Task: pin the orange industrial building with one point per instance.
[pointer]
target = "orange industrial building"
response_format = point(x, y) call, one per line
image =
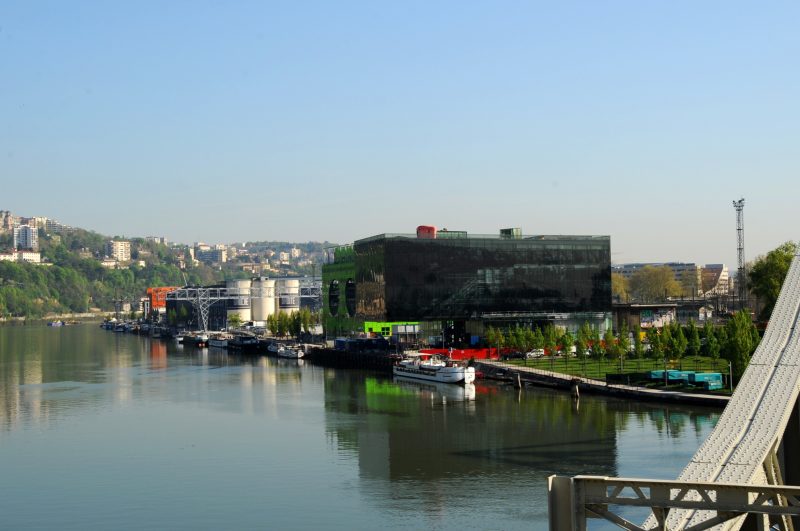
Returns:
point(158, 297)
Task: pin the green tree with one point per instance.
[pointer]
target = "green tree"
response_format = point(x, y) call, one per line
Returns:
point(624, 342)
point(666, 341)
point(654, 283)
point(284, 323)
point(295, 323)
point(550, 340)
point(529, 339)
point(656, 345)
point(598, 348)
point(580, 347)
point(306, 319)
point(678, 340)
point(234, 321)
point(767, 273)
point(496, 339)
point(272, 324)
point(516, 339)
point(693, 339)
point(538, 339)
point(619, 287)
point(567, 342)
point(611, 346)
point(740, 342)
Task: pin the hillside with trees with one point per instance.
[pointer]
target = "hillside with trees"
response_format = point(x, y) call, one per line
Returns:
point(72, 279)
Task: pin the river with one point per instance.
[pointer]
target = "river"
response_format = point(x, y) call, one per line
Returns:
point(101, 430)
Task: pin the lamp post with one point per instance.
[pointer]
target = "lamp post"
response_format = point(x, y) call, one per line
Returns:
point(730, 375)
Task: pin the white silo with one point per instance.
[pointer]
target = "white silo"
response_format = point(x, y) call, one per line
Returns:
point(262, 301)
point(239, 303)
point(288, 295)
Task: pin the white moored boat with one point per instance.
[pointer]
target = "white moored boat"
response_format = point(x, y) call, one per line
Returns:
point(219, 340)
point(435, 370)
point(289, 352)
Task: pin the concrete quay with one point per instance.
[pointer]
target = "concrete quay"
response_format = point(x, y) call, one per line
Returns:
point(498, 370)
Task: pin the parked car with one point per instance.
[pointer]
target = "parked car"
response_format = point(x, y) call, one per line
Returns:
point(533, 354)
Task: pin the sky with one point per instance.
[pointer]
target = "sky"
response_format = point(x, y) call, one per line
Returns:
point(300, 121)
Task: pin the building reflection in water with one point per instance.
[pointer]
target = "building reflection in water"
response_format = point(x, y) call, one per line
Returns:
point(410, 435)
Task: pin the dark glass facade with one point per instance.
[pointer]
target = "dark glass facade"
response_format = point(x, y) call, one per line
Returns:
point(474, 278)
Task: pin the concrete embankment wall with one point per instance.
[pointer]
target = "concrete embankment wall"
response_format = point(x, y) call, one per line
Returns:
point(511, 373)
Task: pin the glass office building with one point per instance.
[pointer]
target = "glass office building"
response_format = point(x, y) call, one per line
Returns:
point(453, 277)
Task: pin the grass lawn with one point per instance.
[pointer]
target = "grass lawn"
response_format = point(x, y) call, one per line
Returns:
point(594, 368)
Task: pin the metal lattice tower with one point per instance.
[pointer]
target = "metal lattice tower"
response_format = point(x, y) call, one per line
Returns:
point(741, 278)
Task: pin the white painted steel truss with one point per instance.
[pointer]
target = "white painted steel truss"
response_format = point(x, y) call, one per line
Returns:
point(751, 446)
point(595, 496)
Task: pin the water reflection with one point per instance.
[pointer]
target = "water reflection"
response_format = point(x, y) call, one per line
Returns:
point(369, 449)
point(45, 372)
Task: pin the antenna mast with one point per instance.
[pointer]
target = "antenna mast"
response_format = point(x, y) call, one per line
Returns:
point(741, 276)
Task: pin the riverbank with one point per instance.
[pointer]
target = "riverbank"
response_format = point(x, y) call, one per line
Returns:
point(521, 375)
point(82, 317)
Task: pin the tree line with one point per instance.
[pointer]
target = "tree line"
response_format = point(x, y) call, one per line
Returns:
point(735, 341)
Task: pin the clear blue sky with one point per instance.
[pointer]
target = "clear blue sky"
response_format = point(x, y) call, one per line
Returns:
point(233, 121)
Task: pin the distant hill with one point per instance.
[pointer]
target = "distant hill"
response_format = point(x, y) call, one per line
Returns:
point(73, 279)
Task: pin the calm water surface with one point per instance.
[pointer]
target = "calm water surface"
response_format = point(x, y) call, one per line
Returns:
point(101, 430)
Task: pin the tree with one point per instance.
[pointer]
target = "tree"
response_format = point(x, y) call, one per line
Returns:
point(234, 320)
point(306, 319)
point(550, 339)
point(767, 273)
point(295, 323)
point(666, 341)
point(624, 342)
point(740, 342)
point(653, 283)
point(712, 342)
point(619, 287)
point(567, 342)
point(598, 348)
point(538, 339)
point(689, 283)
point(272, 324)
point(529, 339)
point(656, 345)
point(693, 339)
point(611, 346)
point(495, 338)
point(678, 340)
point(580, 347)
point(283, 323)
point(517, 339)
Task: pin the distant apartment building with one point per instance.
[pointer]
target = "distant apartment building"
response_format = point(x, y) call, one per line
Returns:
point(110, 263)
point(31, 257)
point(54, 227)
point(26, 237)
point(120, 250)
point(283, 257)
point(212, 256)
point(295, 252)
point(157, 239)
point(6, 220)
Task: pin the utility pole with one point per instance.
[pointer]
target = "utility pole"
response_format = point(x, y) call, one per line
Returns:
point(741, 275)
